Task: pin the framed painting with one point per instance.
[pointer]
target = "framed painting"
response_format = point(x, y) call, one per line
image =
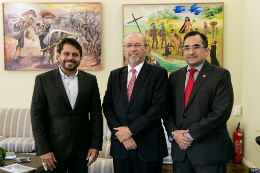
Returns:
point(33, 31)
point(165, 26)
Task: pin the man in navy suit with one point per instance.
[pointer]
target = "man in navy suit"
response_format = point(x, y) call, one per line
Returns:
point(133, 105)
point(200, 103)
point(66, 114)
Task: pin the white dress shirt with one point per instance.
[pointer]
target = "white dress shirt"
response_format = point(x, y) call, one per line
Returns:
point(71, 86)
point(137, 70)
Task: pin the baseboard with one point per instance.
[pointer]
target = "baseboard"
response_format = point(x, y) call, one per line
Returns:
point(168, 161)
point(248, 164)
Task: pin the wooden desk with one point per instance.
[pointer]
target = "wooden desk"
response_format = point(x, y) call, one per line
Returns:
point(35, 163)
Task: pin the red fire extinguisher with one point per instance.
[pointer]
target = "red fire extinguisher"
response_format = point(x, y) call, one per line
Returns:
point(237, 142)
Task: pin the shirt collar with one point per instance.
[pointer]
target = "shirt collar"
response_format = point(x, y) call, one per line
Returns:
point(137, 68)
point(199, 67)
point(63, 76)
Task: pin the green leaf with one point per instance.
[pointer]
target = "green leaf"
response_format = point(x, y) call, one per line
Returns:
point(2, 154)
point(1, 158)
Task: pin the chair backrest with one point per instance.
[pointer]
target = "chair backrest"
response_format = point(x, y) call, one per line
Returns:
point(15, 122)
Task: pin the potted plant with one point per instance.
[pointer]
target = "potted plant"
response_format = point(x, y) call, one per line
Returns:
point(2, 154)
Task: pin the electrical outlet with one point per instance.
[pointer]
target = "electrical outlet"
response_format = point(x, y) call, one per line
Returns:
point(238, 110)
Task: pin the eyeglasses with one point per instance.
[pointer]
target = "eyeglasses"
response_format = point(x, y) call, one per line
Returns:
point(194, 48)
point(128, 46)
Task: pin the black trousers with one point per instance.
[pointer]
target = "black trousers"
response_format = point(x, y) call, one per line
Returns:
point(186, 166)
point(132, 164)
point(73, 164)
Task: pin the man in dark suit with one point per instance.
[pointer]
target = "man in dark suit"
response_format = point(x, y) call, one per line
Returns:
point(66, 114)
point(200, 103)
point(133, 105)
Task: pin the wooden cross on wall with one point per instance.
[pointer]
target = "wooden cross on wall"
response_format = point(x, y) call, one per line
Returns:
point(135, 21)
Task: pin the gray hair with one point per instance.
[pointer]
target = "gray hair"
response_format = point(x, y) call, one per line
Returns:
point(136, 33)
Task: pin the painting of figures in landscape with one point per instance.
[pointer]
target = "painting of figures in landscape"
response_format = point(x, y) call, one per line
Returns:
point(165, 26)
point(33, 31)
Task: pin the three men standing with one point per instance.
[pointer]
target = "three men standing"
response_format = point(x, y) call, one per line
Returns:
point(200, 103)
point(133, 105)
point(66, 114)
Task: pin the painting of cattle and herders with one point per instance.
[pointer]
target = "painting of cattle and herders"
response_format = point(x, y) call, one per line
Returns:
point(165, 26)
point(33, 31)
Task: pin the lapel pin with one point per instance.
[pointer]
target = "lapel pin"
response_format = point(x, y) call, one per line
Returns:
point(204, 75)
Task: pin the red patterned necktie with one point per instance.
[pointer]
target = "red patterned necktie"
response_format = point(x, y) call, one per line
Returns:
point(131, 85)
point(189, 85)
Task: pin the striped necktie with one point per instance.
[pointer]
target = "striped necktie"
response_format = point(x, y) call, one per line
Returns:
point(131, 85)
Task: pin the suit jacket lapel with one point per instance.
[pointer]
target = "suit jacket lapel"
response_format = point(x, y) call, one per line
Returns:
point(123, 82)
point(56, 78)
point(81, 88)
point(203, 74)
point(181, 81)
point(139, 81)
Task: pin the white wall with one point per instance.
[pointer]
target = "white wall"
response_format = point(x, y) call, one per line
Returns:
point(16, 87)
point(251, 82)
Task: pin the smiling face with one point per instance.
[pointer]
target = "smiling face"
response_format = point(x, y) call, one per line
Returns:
point(69, 58)
point(134, 54)
point(195, 57)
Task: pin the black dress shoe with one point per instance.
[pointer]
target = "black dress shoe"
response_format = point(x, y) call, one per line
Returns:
point(257, 139)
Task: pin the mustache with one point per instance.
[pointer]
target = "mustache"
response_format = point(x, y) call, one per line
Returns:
point(191, 56)
point(133, 53)
point(70, 61)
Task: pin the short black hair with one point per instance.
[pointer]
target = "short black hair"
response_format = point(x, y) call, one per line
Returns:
point(71, 42)
point(193, 33)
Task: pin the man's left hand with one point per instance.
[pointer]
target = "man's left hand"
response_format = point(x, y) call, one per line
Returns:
point(123, 133)
point(93, 155)
point(184, 147)
point(130, 144)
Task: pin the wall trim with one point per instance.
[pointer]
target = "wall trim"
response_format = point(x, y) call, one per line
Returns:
point(247, 163)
